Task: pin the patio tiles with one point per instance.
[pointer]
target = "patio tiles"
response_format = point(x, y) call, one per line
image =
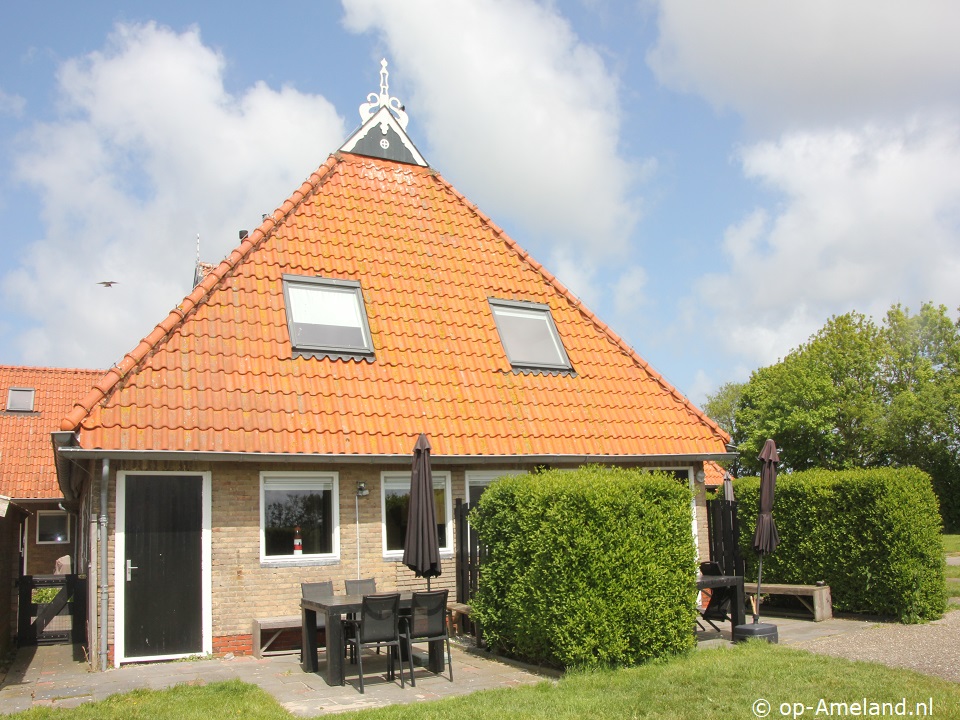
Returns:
point(51, 676)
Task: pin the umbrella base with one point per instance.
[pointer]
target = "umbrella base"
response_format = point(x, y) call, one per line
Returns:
point(760, 631)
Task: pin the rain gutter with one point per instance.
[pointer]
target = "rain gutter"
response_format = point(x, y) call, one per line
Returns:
point(314, 458)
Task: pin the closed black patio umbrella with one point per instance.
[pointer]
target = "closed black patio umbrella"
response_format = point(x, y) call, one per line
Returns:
point(421, 548)
point(766, 538)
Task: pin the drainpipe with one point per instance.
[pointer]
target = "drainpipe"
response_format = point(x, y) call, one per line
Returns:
point(104, 588)
point(93, 571)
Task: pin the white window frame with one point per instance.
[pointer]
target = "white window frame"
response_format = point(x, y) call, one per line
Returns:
point(482, 478)
point(48, 513)
point(537, 311)
point(16, 399)
point(441, 479)
point(296, 480)
point(693, 500)
point(346, 288)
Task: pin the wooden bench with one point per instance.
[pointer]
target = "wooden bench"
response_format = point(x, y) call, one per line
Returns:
point(815, 598)
point(277, 625)
point(456, 613)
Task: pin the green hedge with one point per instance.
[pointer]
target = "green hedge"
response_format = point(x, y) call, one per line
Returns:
point(588, 568)
point(873, 535)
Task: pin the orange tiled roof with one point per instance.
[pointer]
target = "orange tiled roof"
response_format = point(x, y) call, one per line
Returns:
point(27, 468)
point(713, 474)
point(218, 373)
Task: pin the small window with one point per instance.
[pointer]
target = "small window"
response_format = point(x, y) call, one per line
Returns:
point(529, 336)
point(326, 317)
point(53, 527)
point(395, 498)
point(20, 399)
point(299, 518)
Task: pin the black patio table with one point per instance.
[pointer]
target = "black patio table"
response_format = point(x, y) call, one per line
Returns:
point(737, 614)
point(334, 607)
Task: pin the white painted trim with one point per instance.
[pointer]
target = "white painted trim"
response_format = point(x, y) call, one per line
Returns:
point(384, 118)
point(311, 479)
point(206, 561)
point(404, 476)
point(693, 501)
point(484, 478)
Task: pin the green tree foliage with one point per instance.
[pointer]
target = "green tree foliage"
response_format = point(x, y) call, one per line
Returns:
point(861, 395)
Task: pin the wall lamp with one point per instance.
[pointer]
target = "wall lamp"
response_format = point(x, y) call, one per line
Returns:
point(362, 489)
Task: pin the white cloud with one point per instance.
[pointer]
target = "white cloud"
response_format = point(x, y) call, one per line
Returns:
point(782, 63)
point(11, 105)
point(149, 151)
point(520, 108)
point(868, 218)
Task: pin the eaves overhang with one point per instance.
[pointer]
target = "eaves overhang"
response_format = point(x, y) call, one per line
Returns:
point(77, 453)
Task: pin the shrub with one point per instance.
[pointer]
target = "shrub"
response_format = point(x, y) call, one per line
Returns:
point(873, 535)
point(588, 568)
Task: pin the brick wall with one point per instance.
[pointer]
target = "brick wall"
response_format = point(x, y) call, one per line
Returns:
point(243, 589)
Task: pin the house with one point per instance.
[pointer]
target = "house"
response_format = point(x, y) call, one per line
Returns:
point(35, 530)
point(262, 434)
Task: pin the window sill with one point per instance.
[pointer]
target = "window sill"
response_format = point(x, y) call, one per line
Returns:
point(444, 555)
point(298, 562)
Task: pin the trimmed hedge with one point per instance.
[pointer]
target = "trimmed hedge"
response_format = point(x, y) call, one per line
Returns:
point(872, 535)
point(588, 568)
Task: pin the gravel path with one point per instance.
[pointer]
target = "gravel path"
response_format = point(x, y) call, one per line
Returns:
point(932, 648)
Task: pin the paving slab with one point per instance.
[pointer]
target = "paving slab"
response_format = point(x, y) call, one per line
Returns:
point(58, 676)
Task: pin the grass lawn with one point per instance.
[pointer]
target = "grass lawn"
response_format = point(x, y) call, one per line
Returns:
point(951, 544)
point(715, 684)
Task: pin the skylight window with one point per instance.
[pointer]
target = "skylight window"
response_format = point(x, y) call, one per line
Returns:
point(326, 317)
point(20, 399)
point(529, 335)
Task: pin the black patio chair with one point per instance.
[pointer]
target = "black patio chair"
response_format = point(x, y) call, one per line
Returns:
point(363, 586)
point(718, 608)
point(378, 624)
point(310, 591)
point(427, 622)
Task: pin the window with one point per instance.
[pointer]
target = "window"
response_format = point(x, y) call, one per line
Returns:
point(326, 317)
point(20, 399)
point(299, 503)
point(395, 499)
point(478, 480)
point(53, 527)
point(529, 335)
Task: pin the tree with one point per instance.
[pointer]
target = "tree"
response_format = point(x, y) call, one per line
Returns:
point(859, 395)
point(821, 402)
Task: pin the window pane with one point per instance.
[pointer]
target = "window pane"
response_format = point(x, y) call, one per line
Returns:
point(529, 336)
point(52, 528)
point(311, 510)
point(20, 399)
point(396, 506)
point(324, 306)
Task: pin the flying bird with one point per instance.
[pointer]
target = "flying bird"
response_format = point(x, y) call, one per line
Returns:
point(107, 283)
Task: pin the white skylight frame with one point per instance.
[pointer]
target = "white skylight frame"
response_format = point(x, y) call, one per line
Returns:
point(327, 317)
point(21, 399)
point(519, 321)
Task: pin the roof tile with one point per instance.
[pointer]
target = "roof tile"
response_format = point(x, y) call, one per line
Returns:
point(219, 374)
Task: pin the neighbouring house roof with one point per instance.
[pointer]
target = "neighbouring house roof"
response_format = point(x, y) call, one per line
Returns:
point(713, 474)
point(218, 374)
point(27, 470)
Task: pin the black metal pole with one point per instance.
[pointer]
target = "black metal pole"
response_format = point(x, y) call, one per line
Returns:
point(756, 605)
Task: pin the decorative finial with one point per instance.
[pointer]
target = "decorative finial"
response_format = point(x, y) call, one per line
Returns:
point(375, 102)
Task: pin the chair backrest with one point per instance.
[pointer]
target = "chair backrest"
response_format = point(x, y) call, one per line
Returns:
point(428, 611)
point(367, 586)
point(311, 591)
point(379, 617)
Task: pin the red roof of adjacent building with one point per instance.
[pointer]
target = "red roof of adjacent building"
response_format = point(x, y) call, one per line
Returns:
point(27, 469)
point(713, 474)
point(219, 375)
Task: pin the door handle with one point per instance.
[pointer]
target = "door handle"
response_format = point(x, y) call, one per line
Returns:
point(130, 567)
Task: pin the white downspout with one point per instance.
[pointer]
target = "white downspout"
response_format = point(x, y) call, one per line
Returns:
point(104, 586)
point(93, 572)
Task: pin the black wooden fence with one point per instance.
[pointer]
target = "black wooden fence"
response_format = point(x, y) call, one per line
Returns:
point(52, 609)
point(724, 531)
point(470, 555)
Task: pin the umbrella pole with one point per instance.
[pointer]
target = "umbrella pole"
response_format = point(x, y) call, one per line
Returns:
point(428, 584)
point(756, 607)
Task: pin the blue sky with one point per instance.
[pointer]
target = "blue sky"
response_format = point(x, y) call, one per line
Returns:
point(714, 180)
